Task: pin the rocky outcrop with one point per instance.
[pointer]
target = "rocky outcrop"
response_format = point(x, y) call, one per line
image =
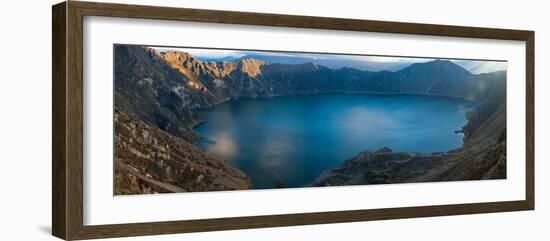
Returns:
point(487, 161)
point(163, 88)
point(149, 160)
point(147, 88)
point(159, 92)
point(483, 155)
point(251, 67)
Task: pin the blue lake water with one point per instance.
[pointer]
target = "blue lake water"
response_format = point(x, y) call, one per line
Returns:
point(290, 140)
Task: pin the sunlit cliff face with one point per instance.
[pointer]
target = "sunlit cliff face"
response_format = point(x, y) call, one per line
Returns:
point(251, 67)
point(369, 62)
point(191, 67)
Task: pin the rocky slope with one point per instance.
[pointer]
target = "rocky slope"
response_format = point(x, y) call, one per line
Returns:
point(483, 155)
point(163, 88)
point(159, 92)
point(149, 160)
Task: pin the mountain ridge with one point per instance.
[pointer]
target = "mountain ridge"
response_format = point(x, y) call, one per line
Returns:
point(482, 155)
point(184, 83)
point(161, 92)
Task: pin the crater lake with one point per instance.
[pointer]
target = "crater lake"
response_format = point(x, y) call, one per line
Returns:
point(289, 141)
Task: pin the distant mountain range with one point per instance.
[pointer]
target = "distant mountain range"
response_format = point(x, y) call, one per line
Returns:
point(333, 63)
point(164, 87)
point(157, 94)
point(482, 155)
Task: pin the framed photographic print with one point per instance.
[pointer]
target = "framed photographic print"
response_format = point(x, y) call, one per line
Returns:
point(171, 120)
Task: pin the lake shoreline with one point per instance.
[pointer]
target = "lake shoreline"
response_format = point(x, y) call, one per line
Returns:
point(201, 121)
point(451, 132)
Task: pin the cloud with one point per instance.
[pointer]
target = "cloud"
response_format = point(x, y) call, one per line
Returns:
point(482, 66)
point(205, 53)
point(389, 59)
point(372, 63)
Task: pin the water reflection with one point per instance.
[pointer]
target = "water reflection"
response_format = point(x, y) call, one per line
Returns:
point(224, 146)
point(289, 141)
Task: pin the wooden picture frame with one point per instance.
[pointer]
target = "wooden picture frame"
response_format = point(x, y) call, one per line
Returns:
point(67, 150)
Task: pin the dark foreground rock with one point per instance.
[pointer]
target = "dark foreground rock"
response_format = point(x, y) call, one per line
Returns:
point(482, 156)
point(149, 160)
point(476, 163)
point(157, 95)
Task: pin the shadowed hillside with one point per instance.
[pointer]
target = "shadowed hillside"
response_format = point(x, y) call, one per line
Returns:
point(150, 160)
point(157, 95)
point(483, 155)
point(163, 88)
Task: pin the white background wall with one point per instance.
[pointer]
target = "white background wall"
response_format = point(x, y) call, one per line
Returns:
point(25, 123)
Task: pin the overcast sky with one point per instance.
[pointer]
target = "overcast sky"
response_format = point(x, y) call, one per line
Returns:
point(372, 63)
